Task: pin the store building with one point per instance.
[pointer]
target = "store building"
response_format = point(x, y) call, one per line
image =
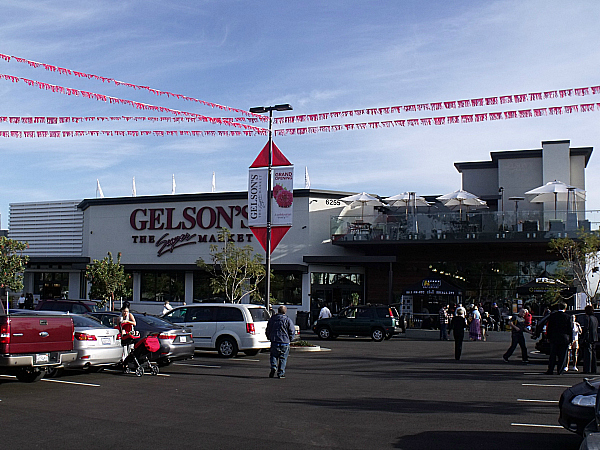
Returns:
point(325, 257)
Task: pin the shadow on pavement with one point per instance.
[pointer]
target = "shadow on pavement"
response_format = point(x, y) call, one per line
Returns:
point(460, 440)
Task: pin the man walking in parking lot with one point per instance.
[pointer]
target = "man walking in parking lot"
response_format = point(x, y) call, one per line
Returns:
point(560, 335)
point(280, 331)
point(589, 337)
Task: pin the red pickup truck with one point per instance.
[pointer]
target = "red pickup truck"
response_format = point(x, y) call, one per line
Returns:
point(30, 344)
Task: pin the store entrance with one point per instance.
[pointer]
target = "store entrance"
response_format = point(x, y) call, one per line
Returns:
point(336, 290)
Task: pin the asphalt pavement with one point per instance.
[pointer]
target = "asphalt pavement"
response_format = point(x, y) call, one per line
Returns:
point(406, 393)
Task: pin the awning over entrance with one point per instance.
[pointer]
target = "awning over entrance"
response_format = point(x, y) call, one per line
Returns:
point(432, 286)
point(540, 286)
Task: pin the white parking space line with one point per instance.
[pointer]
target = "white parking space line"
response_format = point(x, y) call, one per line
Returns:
point(162, 375)
point(536, 401)
point(536, 425)
point(546, 385)
point(196, 365)
point(70, 382)
point(8, 376)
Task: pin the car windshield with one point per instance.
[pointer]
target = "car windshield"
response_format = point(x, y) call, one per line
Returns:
point(259, 314)
point(86, 322)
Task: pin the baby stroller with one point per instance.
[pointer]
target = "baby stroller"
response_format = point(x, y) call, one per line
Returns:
point(139, 358)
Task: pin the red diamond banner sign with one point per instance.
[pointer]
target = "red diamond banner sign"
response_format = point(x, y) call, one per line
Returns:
point(282, 196)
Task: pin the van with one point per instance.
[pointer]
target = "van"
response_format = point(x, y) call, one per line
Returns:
point(225, 327)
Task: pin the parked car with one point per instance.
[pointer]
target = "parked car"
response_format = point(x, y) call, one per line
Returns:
point(225, 327)
point(591, 433)
point(176, 343)
point(577, 404)
point(32, 343)
point(97, 345)
point(72, 306)
point(378, 321)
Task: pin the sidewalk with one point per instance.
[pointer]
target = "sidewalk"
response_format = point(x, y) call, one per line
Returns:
point(417, 334)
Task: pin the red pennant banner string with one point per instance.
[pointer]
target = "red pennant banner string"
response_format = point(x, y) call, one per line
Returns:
point(133, 133)
point(465, 118)
point(137, 105)
point(70, 119)
point(64, 71)
point(436, 106)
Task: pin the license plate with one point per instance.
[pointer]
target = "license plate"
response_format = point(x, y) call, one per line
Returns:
point(42, 358)
point(182, 339)
point(105, 341)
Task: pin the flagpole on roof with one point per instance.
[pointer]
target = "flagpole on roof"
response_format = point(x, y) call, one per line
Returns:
point(173, 187)
point(306, 178)
point(133, 191)
point(213, 187)
point(99, 189)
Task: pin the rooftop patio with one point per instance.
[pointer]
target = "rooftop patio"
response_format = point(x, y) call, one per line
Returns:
point(398, 226)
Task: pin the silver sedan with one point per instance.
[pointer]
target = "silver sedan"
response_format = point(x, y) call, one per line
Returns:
point(97, 345)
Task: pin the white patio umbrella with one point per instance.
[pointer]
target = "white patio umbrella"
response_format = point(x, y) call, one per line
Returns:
point(461, 198)
point(363, 199)
point(406, 199)
point(553, 190)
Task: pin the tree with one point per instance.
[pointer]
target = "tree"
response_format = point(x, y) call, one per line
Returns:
point(236, 271)
point(108, 279)
point(12, 263)
point(580, 259)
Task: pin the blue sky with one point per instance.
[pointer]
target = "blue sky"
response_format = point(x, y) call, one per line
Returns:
point(317, 56)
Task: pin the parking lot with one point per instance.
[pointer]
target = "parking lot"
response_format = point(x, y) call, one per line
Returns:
point(406, 393)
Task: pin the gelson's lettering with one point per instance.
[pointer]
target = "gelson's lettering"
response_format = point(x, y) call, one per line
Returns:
point(189, 217)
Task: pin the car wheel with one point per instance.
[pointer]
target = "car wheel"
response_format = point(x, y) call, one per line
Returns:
point(227, 347)
point(54, 372)
point(324, 333)
point(378, 334)
point(30, 375)
point(252, 352)
point(403, 323)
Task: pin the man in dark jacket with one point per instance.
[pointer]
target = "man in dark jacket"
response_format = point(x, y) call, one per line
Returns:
point(588, 339)
point(280, 331)
point(560, 335)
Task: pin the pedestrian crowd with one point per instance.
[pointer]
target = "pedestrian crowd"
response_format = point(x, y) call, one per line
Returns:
point(572, 340)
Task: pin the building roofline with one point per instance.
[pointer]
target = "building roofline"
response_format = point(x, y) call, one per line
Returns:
point(204, 196)
point(517, 154)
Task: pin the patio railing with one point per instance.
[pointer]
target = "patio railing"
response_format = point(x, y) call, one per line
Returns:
point(454, 225)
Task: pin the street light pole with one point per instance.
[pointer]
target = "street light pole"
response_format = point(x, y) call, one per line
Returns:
point(258, 110)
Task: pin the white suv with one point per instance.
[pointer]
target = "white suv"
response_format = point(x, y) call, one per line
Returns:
point(225, 327)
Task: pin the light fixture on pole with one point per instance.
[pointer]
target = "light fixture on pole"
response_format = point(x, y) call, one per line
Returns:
point(516, 200)
point(261, 110)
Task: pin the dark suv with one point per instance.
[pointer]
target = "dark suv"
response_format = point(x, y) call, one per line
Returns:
point(72, 306)
point(378, 321)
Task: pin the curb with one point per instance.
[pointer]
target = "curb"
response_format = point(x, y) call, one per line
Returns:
point(315, 348)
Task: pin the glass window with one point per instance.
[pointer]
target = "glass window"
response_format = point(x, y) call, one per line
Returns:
point(201, 314)
point(363, 313)
point(225, 314)
point(51, 284)
point(202, 288)
point(161, 286)
point(286, 287)
point(259, 314)
point(176, 316)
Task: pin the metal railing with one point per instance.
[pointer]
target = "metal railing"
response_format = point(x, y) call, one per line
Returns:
point(453, 225)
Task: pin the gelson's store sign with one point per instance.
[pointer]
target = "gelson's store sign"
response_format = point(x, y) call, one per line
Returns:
point(171, 228)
